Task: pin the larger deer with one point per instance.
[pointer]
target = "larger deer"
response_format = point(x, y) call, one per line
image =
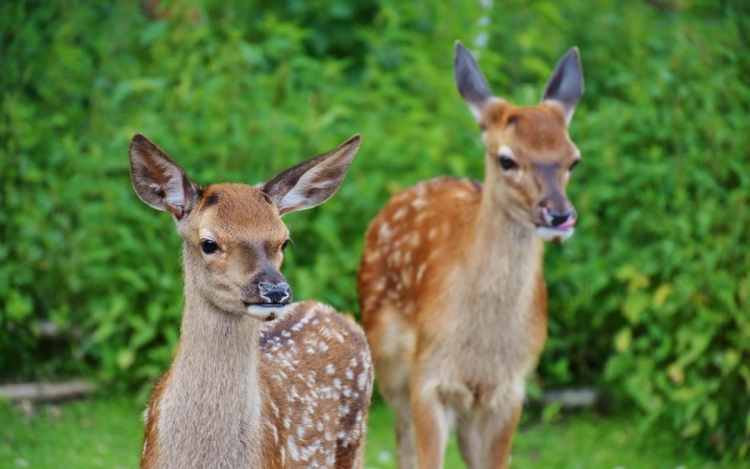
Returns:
point(451, 285)
point(243, 392)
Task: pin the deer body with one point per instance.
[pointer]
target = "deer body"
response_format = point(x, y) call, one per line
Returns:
point(257, 381)
point(451, 282)
point(285, 417)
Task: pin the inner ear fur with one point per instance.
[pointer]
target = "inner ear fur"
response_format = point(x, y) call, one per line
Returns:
point(158, 180)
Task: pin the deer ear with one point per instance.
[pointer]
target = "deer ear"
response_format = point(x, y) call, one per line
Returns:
point(311, 182)
point(158, 180)
point(565, 87)
point(470, 82)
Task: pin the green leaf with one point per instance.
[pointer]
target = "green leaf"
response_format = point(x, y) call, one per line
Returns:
point(623, 339)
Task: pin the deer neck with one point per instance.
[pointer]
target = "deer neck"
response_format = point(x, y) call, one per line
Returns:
point(503, 255)
point(213, 396)
point(214, 343)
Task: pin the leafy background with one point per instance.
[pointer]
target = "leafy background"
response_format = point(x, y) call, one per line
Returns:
point(649, 302)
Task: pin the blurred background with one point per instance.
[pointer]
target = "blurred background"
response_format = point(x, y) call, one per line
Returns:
point(649, 301)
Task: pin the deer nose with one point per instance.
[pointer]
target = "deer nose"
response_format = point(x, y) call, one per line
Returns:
point(558, 219)
point(275, 293)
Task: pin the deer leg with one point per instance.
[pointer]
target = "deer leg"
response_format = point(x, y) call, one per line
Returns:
point(498, 434)
point(406, 453)
point(431, 427)
point(470, 442)
point(407, 456)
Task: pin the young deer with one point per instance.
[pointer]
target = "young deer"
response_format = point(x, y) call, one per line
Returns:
point(241, 392)
point(451, 285)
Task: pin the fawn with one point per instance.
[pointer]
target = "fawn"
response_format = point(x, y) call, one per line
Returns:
point(244, 391)
point(451, 285)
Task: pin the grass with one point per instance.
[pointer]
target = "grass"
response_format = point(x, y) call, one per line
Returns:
point(106, 432)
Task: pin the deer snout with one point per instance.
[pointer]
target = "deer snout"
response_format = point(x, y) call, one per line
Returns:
point(555, 223)
point(267, 288)
point(559, 219)
point(267, 296)
point(275, 293)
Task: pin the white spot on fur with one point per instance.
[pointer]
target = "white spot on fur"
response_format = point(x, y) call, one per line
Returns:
point(395, 258)
point(293, 452)
point(420, 272)
point(384, 233)
point(415, 239)
point(407, 257)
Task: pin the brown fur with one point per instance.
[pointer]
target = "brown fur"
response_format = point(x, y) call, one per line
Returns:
point(452, 290)
point(244, 393)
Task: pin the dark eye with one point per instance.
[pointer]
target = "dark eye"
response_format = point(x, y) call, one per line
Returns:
point(507, 163)
point(575, 163)
point(209, 246)
point(284, 246)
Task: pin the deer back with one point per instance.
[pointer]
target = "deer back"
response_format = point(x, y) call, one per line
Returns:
point(316, 415)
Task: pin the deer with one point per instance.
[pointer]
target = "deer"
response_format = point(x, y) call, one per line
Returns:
point(257, 381)
point(451, 283)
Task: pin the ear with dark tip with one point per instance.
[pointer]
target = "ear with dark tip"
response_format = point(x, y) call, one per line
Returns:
point(158, 180)
point(311, 182)
point(471, 83)
point(566, 85)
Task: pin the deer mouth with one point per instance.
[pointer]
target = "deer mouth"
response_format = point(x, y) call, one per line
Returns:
point(556, 227)
point(266, 311)
point(554, 234)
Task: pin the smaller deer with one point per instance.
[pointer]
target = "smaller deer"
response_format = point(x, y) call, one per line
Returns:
point(257, 381)
point(451, 282)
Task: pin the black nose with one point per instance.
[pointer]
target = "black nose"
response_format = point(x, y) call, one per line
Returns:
point(275, 293)
point(558, 218)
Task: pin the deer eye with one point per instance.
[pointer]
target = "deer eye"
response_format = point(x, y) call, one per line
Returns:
point(507, 163)
point(284, 246)
point(575, 163)
point(209, 246)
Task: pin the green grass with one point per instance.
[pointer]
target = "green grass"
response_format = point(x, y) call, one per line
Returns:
point(86, 434)
point(106, 432)
point(584, 441)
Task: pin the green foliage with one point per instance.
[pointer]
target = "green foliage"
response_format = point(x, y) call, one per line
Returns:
point(649, 300)
point(654, 289)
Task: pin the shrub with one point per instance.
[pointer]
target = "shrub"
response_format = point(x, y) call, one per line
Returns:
point(649, 300)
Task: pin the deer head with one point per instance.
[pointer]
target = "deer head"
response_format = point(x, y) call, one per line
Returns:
point(529, 154)
point(234, 238)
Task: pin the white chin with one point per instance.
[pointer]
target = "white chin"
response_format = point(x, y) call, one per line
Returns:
point(267, 313)
point(552, 235)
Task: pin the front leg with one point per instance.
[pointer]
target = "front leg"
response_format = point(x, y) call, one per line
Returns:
point(431, 426)
point(470, 444)
point(498, 433)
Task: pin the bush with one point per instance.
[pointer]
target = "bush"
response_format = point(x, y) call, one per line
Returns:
point(654, 289)
point(649, 300)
